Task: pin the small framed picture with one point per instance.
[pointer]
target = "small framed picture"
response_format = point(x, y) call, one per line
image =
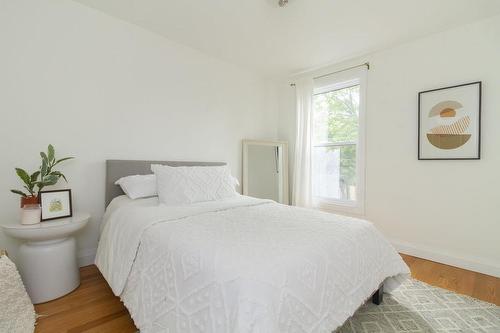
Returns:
point(449, 123)
point(55, 204)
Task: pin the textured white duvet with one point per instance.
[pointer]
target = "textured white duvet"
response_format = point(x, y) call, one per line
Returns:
point(241, 265)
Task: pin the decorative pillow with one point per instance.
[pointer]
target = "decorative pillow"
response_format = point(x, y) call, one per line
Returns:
point(138, 186)
point(185, 185)
point(235, 181)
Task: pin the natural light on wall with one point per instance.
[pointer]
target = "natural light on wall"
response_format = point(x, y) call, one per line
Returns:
point(337, 151)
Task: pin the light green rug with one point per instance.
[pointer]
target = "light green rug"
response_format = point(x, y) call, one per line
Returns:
point(419, 307)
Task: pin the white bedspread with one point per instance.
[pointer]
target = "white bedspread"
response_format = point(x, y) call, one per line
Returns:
point(242, 265)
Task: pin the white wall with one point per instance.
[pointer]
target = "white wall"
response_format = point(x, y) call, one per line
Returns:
point(442, 210)
point(99, 88)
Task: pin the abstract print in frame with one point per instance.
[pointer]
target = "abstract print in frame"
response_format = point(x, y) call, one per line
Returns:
point(449, 123)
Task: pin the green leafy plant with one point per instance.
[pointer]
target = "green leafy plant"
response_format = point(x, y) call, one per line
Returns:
point(45, 176)
point(28, 180)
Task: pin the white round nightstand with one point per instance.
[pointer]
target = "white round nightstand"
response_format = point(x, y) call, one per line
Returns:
point(47, 258)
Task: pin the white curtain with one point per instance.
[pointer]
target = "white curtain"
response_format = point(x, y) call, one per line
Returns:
point(301, 195)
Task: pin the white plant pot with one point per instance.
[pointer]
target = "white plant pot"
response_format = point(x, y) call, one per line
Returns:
point(31, 214)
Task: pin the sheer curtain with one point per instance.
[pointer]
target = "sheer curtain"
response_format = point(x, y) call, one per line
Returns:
point(301, 195)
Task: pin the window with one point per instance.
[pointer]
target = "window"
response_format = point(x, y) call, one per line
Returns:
point(337, 143)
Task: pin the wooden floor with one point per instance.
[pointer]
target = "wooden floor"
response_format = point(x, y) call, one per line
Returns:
point(93, 307)
point(477, 285)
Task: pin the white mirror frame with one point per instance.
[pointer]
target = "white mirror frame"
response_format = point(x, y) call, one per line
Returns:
point(284, 148)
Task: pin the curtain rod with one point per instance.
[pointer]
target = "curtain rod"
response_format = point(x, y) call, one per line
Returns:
point(367, 64)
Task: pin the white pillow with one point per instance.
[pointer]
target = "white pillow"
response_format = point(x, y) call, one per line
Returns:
point(138, 186)
point(235, 181)
point(190, 184)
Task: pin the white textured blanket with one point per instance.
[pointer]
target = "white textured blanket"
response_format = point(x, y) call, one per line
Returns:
point(242, 265)
point(17, 314)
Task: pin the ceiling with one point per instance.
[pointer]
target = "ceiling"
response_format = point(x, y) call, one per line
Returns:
point(275, 41)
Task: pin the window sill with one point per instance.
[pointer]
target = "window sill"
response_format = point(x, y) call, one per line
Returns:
point(337, 207)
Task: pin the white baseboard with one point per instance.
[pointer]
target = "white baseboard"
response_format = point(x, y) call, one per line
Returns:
point(470, 263)
point(86, 257)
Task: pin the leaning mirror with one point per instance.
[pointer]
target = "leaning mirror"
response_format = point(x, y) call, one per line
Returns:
point(265, 170)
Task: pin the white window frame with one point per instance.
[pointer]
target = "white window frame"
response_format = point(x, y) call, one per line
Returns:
point(331, 83)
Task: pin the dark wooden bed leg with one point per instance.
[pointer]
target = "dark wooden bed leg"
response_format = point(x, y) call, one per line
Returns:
point(378, 296)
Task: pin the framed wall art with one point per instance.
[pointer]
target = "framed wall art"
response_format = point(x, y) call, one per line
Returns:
point(56, 204)
point(449, 123)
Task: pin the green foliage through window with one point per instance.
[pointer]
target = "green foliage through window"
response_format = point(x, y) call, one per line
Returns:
point(335, 127)
point(336, 115)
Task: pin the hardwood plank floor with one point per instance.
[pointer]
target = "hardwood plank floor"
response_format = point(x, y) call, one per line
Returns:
point(93, 308)
point(480, 286)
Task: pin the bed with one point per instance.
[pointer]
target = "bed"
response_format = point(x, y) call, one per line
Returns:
point(239, 264)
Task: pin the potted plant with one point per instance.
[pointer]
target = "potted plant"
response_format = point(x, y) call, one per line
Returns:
point(45, 176)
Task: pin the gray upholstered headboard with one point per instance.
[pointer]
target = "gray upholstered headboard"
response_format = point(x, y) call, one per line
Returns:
point(115, 169)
